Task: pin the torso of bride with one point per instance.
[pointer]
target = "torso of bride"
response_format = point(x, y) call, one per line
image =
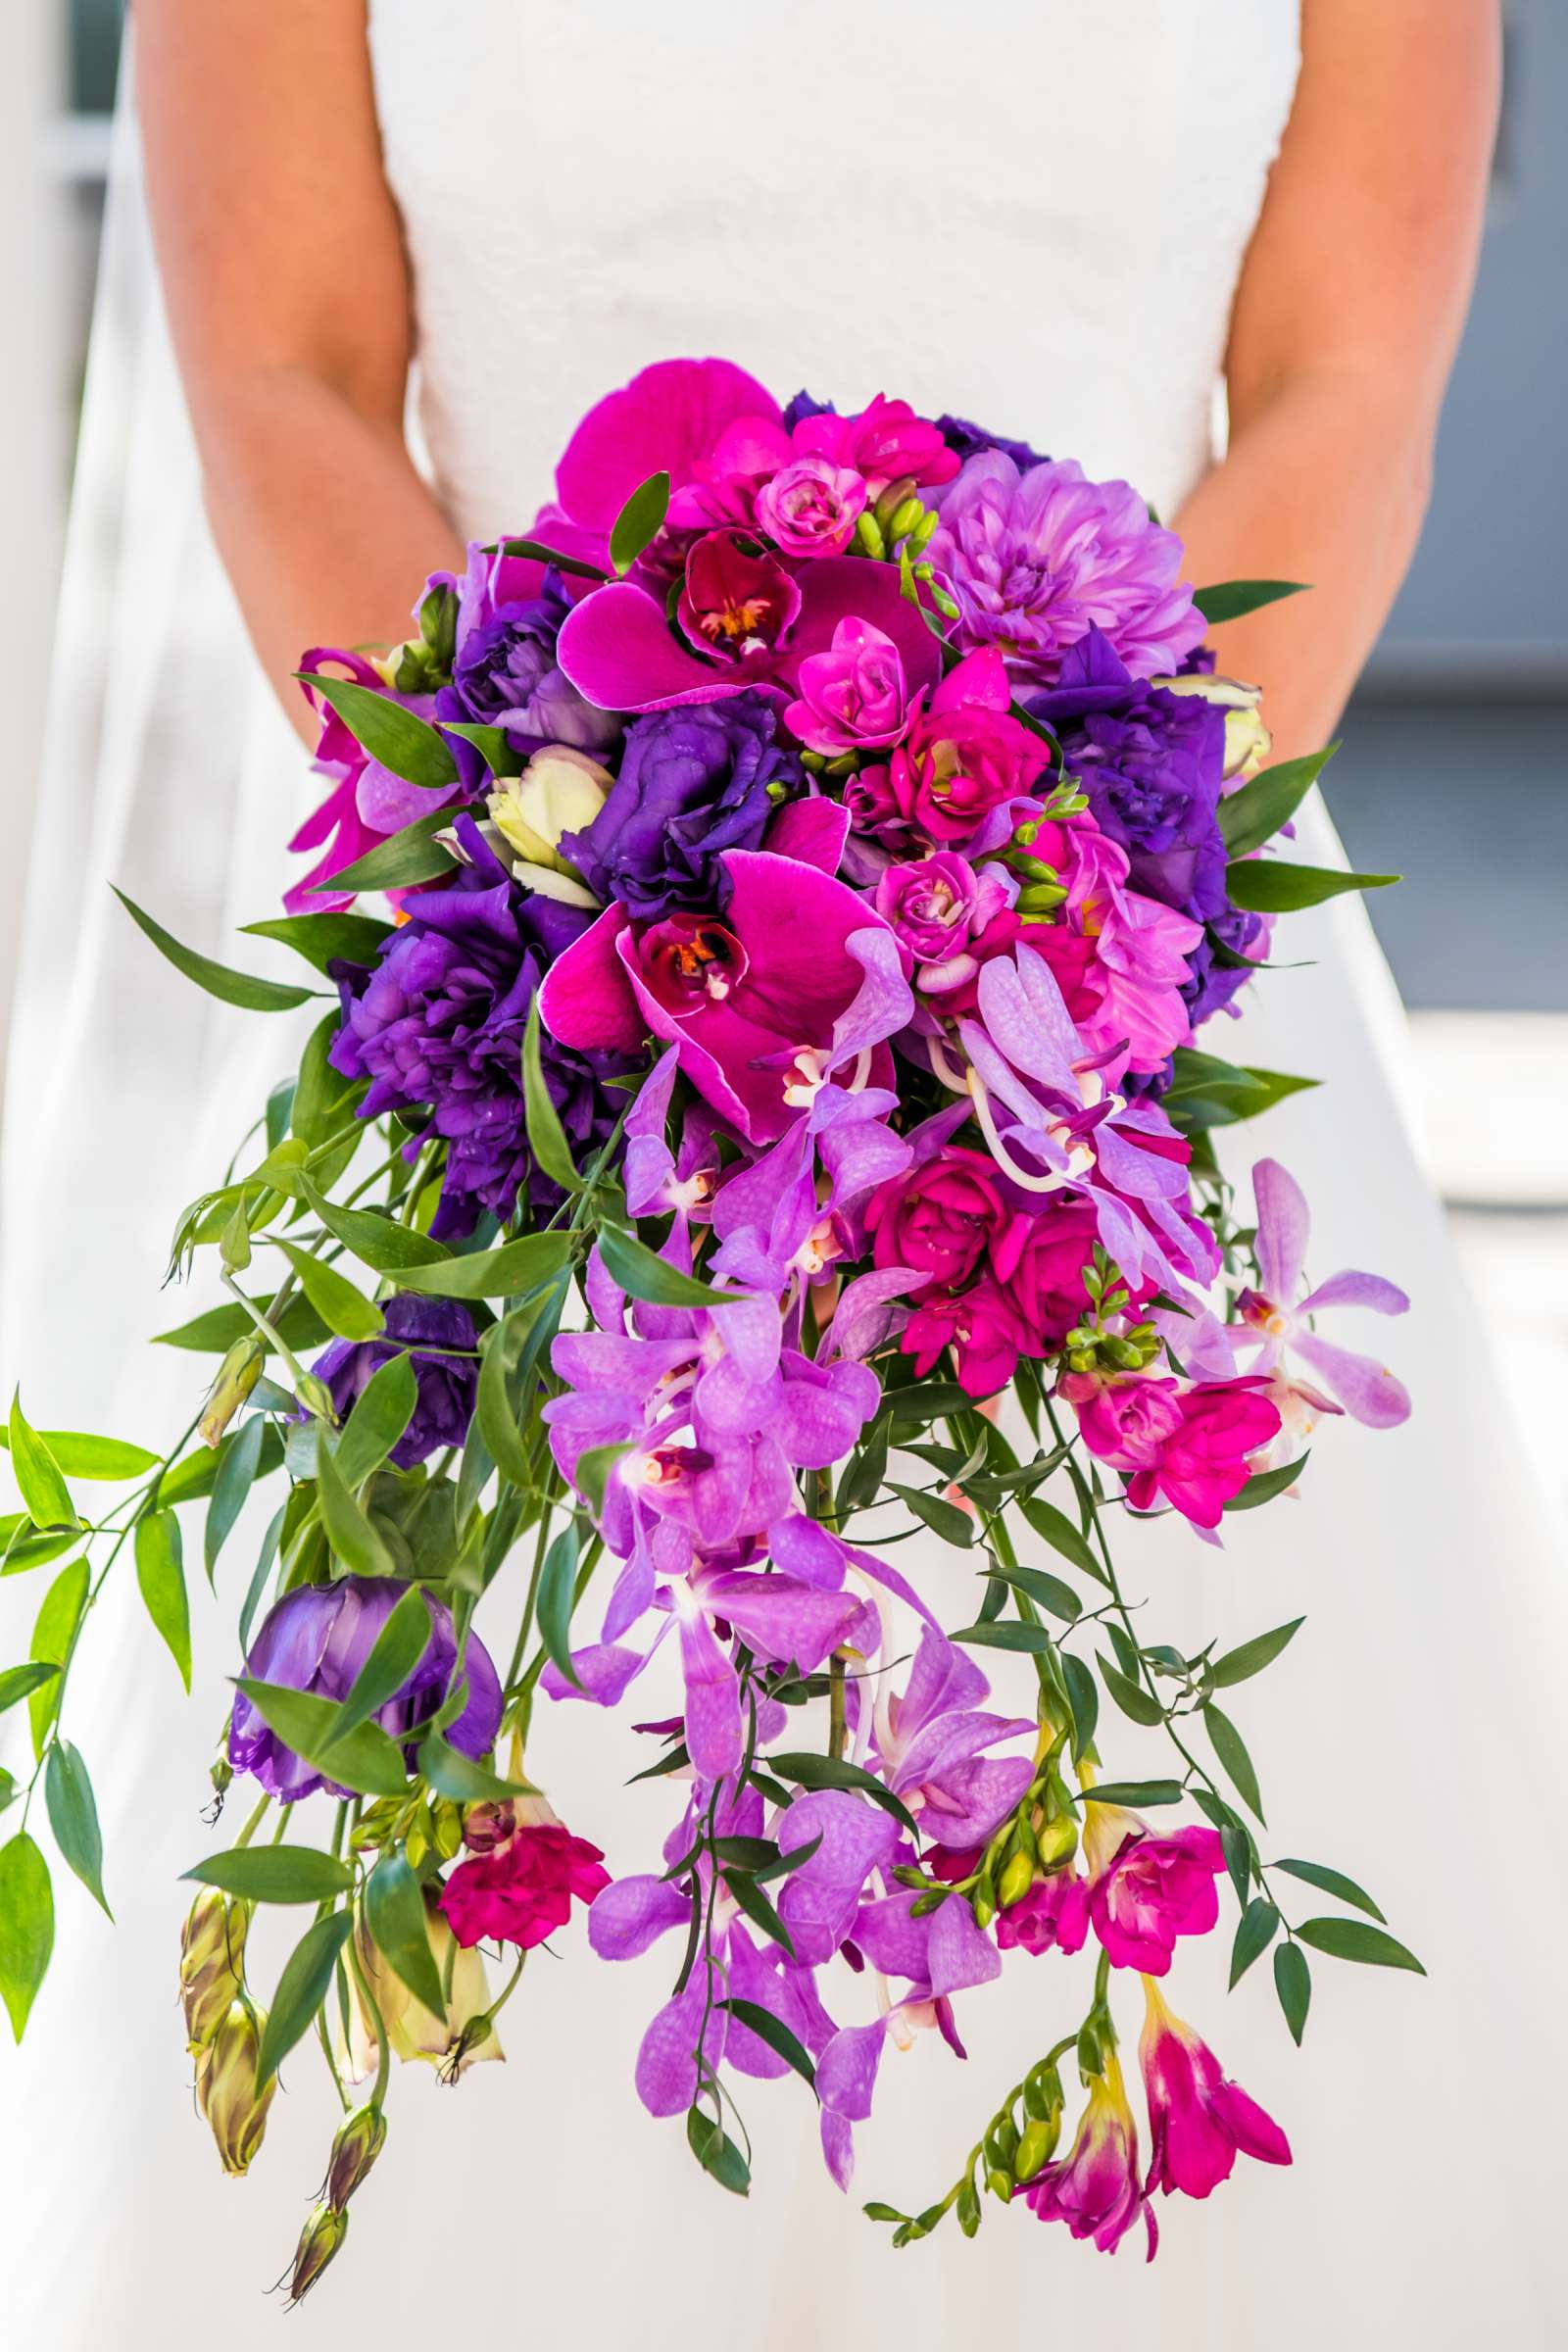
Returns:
point(1029, 212)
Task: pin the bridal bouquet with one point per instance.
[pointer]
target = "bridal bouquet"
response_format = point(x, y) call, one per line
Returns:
point(767, 1128)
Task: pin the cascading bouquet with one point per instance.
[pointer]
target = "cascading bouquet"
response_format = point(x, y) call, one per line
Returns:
point(813, 851)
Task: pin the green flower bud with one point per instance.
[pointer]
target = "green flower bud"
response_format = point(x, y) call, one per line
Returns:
point(1042, 2099)
point(892, 503)
point(1057, 1841)
point(1016, 1880)
point(906, 518)
point(237, 1375)
point(1033, 2149)
point(319, 2240)
point(868, 532)
point(925, 530)
point(225, 2087)
point(1039, 898)
point(1001, 2143)
point(359, 2142)
point(212, 1962)
point(316, 1396)
point(968, 2209)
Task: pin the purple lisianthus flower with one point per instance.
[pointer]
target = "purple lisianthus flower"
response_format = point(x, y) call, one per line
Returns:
point(968, 440)
point(804, 406)
point(1035, 558)
point(504, 672)
point(448, 1383)
point(438, 1026)
point(316, 1639)
point(1153, 774)
point(1212, 981)
point(693, 782)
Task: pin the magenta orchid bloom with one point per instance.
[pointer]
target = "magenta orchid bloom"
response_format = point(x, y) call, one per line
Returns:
point(1095, 2188)
point(1148, 1888)
point(668, 419)
point(800, 978)
point(1199, 2120)
point(1279, 1322)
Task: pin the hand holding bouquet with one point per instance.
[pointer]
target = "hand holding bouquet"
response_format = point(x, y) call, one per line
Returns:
point(810, 854)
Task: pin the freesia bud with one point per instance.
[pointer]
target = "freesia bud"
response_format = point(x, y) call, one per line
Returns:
point(560, 791)
point(1016, 1880)
point(359, 2142)
point(1057, 1841)
point(324, 2233)
point(225, 2087)
point(212, 1961)
point(237, 1375)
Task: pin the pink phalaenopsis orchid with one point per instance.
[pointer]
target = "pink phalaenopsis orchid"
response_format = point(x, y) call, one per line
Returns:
point(1279, 1321)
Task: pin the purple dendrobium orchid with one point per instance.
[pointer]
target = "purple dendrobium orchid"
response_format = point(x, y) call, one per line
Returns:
point(930, 1744)
point(1279, 1322)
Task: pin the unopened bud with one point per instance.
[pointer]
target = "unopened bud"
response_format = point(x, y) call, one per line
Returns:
point(237, 1375)
point(1016, 1880)
point(1057, 1841)
point(868, 532)
point(324, 2233)
point(225, 2087)
point(316, 1397)
point(211, 1963)
point(906, 518)
point(1033, 2149)
point(359, 2142)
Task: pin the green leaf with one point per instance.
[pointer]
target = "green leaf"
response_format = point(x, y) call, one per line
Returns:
point(499, 1409)
point(73, 1817)
point(944, 1519)
point(395, 1654)
point(37, 1475)
point(928, 1401)
point(1134, 1792)
point(773, 2030)
point(490, 743)
point(1356, 1939)
point(716, 2155)
point(1255, 1934)
point(379, 1243)
point(1253, 815)
point(323, 939)
point(1054, 1528)
point(1048, 1591)
point(758, 1909)
point(810, 1771)
point(396, 737)
point(25, 1549)
point(276, 1874)
point(640, 520)
point(400, 860)
point(1251, 1657)
point(53, 1632)
point(197, 1473)
point(353, 1539)
point(1331, 1882)
point(26, 1926)
point(394, 1913)
point(593, 1469)
point(534, 551)
point(301, 1988)
point(363, 1759)
point(381, 1412)
point(265, 1560)
point(1264, 1485)
point(236, 1475)
point(1267, 886)
point(557, 1593)
point(161, 1574)
point(322, 1095)
point(1083, 1696)
point(1293, 1981)
point(16, 1682)
point(452, 1774)
point(218, 979)
point(639, 1272)
point(77, 1455)
point(1230, 1749)
point(214, 1333)
point(347, 1313)
point(547, 1138)
point(527, 1264)
point(1005, 1633)
point(1230, 600)
point(1132, 1699)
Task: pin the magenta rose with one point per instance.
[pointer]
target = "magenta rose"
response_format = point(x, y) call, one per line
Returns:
point(1041, 1258)
point(519, 1893)
point(939, 910)
point(937, 1218)
point(1188, 1445)
point(854, 697)
point(810, 507)
point(962, 757)
point(982, 1328)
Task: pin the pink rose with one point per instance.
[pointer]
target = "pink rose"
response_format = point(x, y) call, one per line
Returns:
point(519, 1893)
point(853, 697)
point(1146, 1890)
point(810, 507)
point(965, 756)
point(938, 908)
point(1041, 1258)
point(937, 1218)
point(1188, 1445)
point(982, 1328)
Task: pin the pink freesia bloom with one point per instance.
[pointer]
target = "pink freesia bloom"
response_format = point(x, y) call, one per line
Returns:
point(1141, 948)
point(810, 507)
point(366, 803)
point(982, 1327)
point(886, 442)
point(520, 1892)
point(1188, 1444)
point(1198, 2120)
point(798, 976)
point(1052, 1917)
point(1277, 1321)
point(853, 697)
point(1147, 1887)
point(668, 419)
point(963, 758)
point(1095, 2189)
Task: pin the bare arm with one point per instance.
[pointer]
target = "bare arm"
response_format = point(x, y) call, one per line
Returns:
point(288, 294)
point(1346, 319)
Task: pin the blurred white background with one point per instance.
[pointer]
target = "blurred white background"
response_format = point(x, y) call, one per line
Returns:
point(1454, 769)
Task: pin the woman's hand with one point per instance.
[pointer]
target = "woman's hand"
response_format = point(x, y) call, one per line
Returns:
point(1345, 324)
point(288, 295)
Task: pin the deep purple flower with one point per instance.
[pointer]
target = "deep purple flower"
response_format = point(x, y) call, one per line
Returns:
point(804, 406)
point(1214, 982)
point(316, 1639)
point(448, 1383)
point(438, 1025)
point(693, 782)
point(504, 672)
point(968, 440)
point(1153, 774)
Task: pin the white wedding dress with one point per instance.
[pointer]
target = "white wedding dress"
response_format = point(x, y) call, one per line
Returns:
point(1031, 212)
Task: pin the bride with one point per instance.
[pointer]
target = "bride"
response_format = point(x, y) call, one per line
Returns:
point(1071, 221)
